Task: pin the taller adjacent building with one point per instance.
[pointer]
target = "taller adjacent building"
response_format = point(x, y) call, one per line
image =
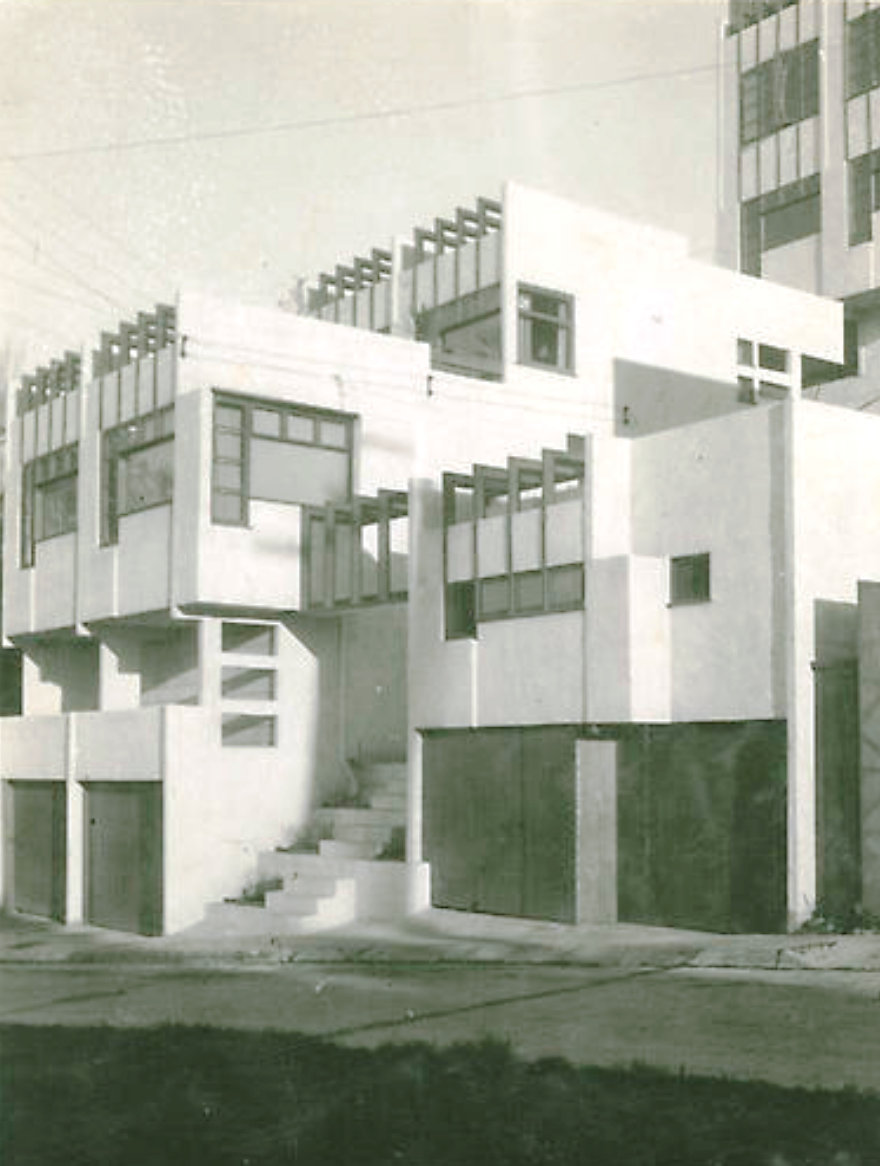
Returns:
point(800, 157)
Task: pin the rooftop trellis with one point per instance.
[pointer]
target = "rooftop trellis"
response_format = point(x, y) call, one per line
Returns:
point(60, 376)
point(152, 332)
point(445, 235)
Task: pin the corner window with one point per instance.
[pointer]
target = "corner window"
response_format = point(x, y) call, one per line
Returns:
point(277, 453)
point(512, 542)
point(137, 469)
point(689, 580)
point(546, 329)
point(48, 499)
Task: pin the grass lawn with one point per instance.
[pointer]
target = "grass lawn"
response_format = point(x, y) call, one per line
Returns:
point(173, 1095)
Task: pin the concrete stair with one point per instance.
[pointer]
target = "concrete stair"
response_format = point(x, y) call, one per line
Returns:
point(345, 880)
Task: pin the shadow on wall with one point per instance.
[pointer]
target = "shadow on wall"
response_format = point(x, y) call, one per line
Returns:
point(648, 399)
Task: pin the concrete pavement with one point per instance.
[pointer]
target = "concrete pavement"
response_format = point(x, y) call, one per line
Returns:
point(444, 937)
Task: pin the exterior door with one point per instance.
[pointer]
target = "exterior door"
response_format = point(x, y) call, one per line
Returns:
point(39, 821)
point(500, 821)
point(124, 852)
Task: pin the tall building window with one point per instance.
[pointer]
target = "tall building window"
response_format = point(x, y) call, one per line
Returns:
point(863, 53)
point(546, 329)
point(137, 470)
point(48, 499)
point(864, 196)
point(779, 92)
point(783, 216)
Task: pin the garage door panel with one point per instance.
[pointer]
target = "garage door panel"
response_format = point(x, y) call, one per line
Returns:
point(500, 821)
point(124, 846)
point(549, 814)
point(39, 847)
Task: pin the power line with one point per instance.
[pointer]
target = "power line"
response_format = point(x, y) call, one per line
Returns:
point(353, 118)
point(71, 275)
point(45, 291)
point(98, 228)
point(36, 244)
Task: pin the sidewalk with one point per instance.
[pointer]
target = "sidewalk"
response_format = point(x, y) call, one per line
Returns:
point(440, 936)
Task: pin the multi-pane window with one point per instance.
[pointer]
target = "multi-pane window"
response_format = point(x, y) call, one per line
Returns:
point(689, 579)
point(465, 335)
point(137, 469)
point(747, 12)
point(356, 553)
point(764, 370)
point(779, 92)
point(864, 196)
point(546, 329)
point(512, 547)
point(277, 453)
point(48, 499)
point(780, 217)
point(863, 53)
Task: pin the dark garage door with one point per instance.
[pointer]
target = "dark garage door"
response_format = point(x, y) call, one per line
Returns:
point(39, 820)
point(500, 821)
point(124, 855)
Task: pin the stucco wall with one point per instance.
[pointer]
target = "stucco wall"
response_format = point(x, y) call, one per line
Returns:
point(374, 708)
point(710, 488)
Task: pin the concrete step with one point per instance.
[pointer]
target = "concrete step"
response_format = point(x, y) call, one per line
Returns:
point(333, 909)
point(235, 919)
point(320, 883)
point(289, 865)
point(396, 801)
point(388, 775)
point(339, 816)
point(336, 849)
point(376, 833)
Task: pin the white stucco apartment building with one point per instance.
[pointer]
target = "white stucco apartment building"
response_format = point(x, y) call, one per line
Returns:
point(516, 576)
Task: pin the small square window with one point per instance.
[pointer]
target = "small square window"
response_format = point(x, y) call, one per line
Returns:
point(494, 597)
point(266, 422)
point(248, 683)
point(300, 428)
point(252, 639)
point(528, 591)
point(745, 352)
point(243, 730)
point(689, 580)
point(772, 358)
point(546, 329)
point(566, 587)
point(334, 434)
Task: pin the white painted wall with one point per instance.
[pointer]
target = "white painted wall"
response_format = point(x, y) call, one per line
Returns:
point(709, 488)
point(834, 541)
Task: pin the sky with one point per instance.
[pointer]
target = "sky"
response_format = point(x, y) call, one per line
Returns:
point(234, 146)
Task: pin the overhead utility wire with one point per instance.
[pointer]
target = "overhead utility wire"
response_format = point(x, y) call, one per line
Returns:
point(352, 118)
point(98, 228)
point(35, 243)
point(72, 275)
point(7, 277)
